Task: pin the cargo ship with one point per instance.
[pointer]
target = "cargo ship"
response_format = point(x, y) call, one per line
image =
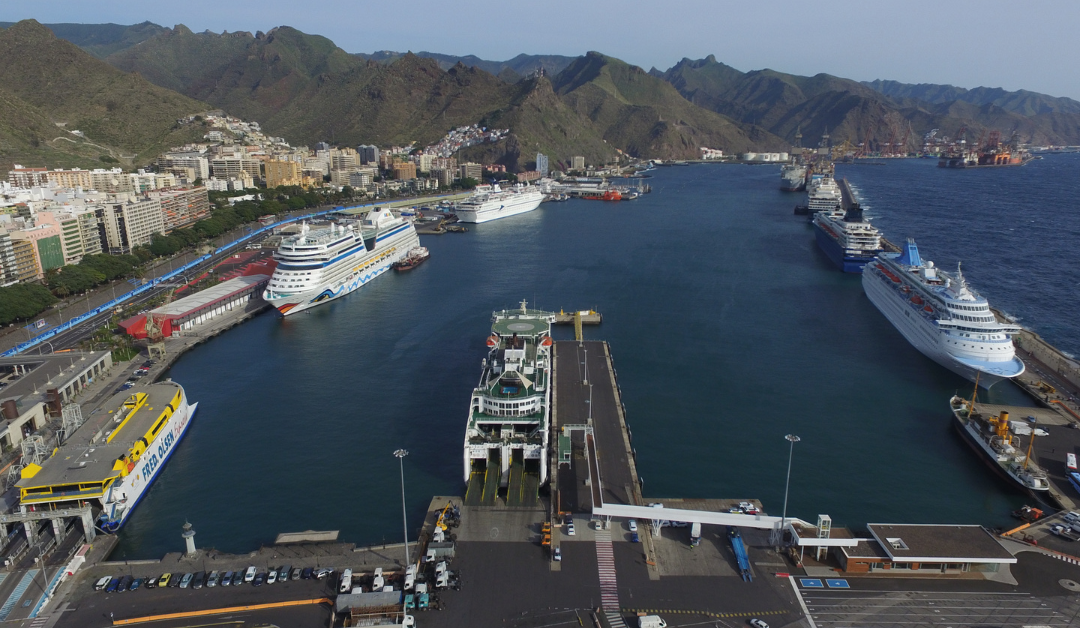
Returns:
point(507, 429)
point(793, 177)
point(319, 265)
point(941, 316)
point(990, 438)
point(848, 238)
point(992, 154)
point(111, 464)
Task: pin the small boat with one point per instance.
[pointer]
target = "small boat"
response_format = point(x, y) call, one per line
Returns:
point(416, 256)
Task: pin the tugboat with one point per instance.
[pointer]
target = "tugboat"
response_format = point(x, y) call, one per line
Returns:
point(414, 258)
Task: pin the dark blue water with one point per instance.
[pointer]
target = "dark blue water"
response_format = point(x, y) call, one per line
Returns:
point(729, 330)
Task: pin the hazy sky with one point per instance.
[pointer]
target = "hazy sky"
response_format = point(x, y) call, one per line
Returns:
point(1011, 44)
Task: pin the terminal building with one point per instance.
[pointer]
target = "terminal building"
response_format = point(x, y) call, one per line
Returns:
point(190, 312)
point(925, 549)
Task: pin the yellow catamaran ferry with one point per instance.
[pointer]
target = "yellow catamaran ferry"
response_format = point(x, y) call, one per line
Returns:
point(111, 465)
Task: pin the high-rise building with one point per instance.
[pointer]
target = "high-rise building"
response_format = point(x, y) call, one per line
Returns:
point(368, 153)
point(472, 171)
point(71, 235)
point(424, 162)
point(444, 176)
point(28, 177)
point(542, 164)
point(180, 208)
point(130, 224)
point(8, 274)
point(404, 170)
point(231, 167)
point(578, 163)
point(189, 165)
point(26, 264)
point(74, 178)
point(343, 159)
point(281, 173)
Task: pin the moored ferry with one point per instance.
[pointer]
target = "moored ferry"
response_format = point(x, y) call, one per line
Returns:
point(507, 432)
point(111, 464)
point(322, 264)
point(942, 316)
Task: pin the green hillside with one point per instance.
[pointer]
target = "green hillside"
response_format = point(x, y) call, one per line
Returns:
point(50, 88)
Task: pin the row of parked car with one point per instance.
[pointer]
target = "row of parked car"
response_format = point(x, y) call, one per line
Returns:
point(199, 579)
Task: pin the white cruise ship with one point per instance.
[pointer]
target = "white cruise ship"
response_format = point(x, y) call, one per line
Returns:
point(490, 202)
point(507, 432)
point(823, 194)
point(319, 265)
point(942, 317)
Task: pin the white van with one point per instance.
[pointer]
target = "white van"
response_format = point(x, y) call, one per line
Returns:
point(346, 581)
point(651, 621)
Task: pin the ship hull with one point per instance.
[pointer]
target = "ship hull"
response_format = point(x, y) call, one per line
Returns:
point(133, 487)
point(922, 334)
point(387, 252)
point(848, 263)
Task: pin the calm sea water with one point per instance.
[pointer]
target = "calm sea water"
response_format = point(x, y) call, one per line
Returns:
point(728, 327)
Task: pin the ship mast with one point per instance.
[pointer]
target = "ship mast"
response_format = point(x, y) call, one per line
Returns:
point(1031, 442)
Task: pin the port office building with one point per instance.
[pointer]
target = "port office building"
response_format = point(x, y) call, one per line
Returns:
point(925, 549)
point(192, 311)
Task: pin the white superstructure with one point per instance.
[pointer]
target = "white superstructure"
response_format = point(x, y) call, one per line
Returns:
point(491, 202)
point(823, 194)
point(942, 317)
point(319, 265)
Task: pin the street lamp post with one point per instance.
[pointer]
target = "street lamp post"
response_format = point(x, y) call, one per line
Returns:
point(791, 438)
point(400, 454)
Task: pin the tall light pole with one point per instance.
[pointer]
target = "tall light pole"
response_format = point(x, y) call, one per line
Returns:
point(791, 438)
point(401, 453)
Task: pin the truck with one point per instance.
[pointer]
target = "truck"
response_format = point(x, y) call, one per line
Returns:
point(695, 534)
point(422, 600)
point(651, 621)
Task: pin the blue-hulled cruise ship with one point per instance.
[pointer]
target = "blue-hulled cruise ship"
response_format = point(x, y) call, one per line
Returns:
point(847, 238)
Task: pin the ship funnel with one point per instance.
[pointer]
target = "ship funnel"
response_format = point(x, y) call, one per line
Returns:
point(910, 255)
point(854, 214)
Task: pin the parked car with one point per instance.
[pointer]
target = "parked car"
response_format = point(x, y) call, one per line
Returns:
point(634, 538)
point(112, 586)
point(307, 573)
point(185, 582)
point(212, 581)
point(102, 582)
point(324, 572)
point(199, 580)
point(296, 574)
point(135, 584)
point(151, 583)
point(226, 580)
point(271, 576)
point(249, 575)
point(164, 580)
point(632, 524)
point(260, 578)
point(757, 623)
point(558, 554)
point(125, 582)
point(283, 573)
point(570, 529)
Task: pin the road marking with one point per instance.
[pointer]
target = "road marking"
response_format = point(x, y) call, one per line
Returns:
point(16, 595)
point(802, 604)
point(609, 585)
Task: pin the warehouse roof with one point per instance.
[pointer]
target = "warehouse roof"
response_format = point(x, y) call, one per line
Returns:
point(211, 295)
